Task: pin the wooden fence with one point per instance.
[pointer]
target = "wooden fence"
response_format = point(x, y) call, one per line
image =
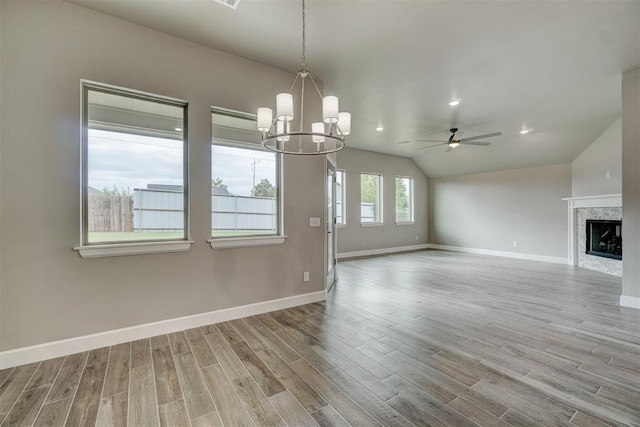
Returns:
point(110, 212)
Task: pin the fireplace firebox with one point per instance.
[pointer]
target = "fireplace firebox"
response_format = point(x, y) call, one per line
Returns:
point(604, 238)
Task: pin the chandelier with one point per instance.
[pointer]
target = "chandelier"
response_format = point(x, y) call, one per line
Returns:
point(326, 136)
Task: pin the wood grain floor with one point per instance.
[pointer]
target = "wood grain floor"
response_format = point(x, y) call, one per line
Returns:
point(426, 338)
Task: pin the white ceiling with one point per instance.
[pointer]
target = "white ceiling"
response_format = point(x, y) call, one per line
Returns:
point(552, 66)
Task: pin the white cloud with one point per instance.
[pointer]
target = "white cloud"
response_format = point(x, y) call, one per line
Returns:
point(129, 161)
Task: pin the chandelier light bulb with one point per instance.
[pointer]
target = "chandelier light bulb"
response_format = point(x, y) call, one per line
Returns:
point(330, 109)
point(284, 106)
point(265, 118)
point(344, 123)
point(317, 127)
point(282, 127)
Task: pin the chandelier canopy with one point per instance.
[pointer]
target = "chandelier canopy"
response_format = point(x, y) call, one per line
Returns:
point(325, 136)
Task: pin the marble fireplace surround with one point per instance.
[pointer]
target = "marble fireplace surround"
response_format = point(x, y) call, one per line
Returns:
point(588, 207)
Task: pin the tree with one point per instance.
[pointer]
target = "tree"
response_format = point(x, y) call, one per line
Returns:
point(402, 199)
point(217, 182)
point(264, 189)
point(369, 191)
point(120, 192)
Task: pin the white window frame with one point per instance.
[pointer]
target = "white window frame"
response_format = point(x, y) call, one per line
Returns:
point(343, 207)
point(411, 200)
point(247, 241)
point(380, 221)
point(121, 248)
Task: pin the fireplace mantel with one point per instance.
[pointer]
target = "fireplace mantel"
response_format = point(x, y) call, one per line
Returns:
point(573, 203)
point(603, 201)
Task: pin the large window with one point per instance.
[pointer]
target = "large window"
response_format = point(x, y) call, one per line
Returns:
point(341, 218)
point(370, 198)
point(404, 200)
point(245, 179)
point(134, 167)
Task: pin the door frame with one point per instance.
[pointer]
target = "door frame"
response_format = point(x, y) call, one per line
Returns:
point(330, 225)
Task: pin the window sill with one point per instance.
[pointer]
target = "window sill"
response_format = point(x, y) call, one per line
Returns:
point(122, 249)
point(243, 242)
point(405, 223)
point(371, 224)
point(343, 225)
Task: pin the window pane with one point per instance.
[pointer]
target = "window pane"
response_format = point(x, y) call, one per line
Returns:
point(404, 199)
point(244, 193)
point(370, 198)
point(340, 197)
point(135, 169)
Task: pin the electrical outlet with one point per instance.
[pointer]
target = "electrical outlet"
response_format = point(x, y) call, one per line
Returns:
point(515, 244)
point(607, 175)
point(416, 237)
point(306, 276)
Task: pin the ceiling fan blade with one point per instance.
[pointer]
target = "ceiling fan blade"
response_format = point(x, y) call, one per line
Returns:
point(449, 149)
point(475, 143)
point(430, 146)
point(457, 135)
point(488, 135)
point(431, 140)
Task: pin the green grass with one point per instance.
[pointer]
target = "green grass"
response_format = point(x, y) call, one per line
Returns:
point(116, 236)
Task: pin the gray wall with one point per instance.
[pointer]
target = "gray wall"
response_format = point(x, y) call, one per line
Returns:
point(588, 170)
point(48, 291)
point(355, 237)
point(492, 210)
point(1, 110)
point(631, 182)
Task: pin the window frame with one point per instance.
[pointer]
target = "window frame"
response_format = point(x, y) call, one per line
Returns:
point(380, 221)
point(411, 199)
point(276, 238)
point(343, 207)
point(130, 247)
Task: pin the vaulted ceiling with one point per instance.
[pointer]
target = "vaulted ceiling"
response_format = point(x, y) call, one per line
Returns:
point(550, 66)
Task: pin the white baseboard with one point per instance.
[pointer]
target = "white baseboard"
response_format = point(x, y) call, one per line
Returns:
point(627, 301)
point(381, 251)
point(24, 355)
point(531, 257)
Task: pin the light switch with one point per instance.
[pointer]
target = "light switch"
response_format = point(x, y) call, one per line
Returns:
point(314, 221)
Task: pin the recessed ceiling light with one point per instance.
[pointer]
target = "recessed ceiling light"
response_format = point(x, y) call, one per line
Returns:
point(379, 128)
point(178, 129)
point(454, 102)
point(525, 131)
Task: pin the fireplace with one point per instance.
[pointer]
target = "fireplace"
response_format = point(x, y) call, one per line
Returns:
point(607, 207)
point(604, 238)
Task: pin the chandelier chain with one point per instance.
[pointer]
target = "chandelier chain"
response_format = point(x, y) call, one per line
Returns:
point(304, 47)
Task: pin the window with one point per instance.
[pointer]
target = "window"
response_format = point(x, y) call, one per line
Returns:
point(404, 200)
point(245, 182)
point(341, 217)
point(134, 167)
point(370, 198)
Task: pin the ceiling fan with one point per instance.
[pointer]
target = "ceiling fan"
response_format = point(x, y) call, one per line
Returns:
point(455, 140)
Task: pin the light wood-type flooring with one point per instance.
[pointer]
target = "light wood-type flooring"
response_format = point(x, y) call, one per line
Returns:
point(425, 338)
